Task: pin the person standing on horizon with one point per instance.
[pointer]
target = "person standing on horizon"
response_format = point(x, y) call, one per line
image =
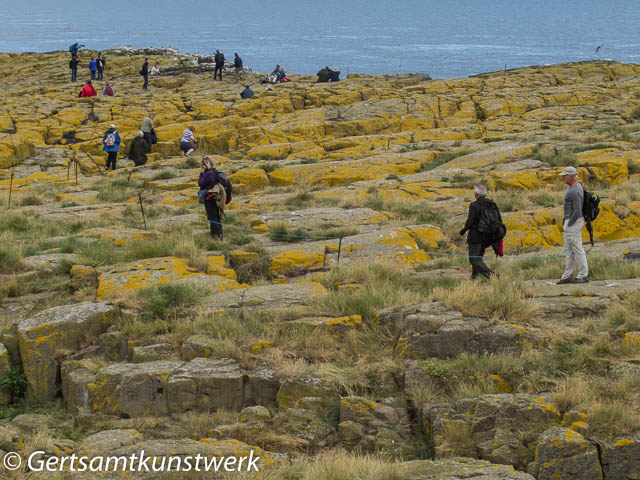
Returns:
point(219, 61)
point(111, 145)
point(147, 128)
point(144, 71)
point(237, 64)
point(100, 62)
point(572, 226)
point(73, 65)
point(93, 68)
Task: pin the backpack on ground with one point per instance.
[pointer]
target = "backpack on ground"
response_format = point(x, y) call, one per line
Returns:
point(226, 183)
point(590, 211)
point(490, 224)
point(110, 141)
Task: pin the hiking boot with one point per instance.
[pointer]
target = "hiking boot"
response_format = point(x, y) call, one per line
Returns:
point(581, 280)
point(564, 281)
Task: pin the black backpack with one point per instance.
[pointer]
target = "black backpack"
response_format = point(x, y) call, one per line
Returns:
point(226, 183)
point(490, 224)
point(590, 210)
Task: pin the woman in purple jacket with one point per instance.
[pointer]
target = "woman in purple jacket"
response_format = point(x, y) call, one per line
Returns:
point(208, 179)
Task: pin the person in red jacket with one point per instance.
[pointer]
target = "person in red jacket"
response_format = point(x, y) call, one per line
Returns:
point(88, 90)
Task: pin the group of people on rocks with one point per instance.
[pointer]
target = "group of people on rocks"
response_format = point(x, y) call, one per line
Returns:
point(327, 74)
point(485, 227)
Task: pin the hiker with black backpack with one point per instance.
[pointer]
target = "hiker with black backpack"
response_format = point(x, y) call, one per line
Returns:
point(572, 225)
point(111, 145)
point(485, 227)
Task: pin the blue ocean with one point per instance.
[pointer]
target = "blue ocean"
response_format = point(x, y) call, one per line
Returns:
point(444, 38)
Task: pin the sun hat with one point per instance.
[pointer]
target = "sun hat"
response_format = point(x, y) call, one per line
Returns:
point(569, 171)
point(113, 125)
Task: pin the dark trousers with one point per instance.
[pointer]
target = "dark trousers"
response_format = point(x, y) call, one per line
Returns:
point(478, 267)
point(74, 74)
point(147, 137)
point(93, 74)
point(146, 81)
point(111, 160)
point(99, 74)
point(218, 69)
point(213, 215)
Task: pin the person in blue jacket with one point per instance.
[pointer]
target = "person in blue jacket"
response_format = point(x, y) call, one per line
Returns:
point(93, 68)
point(111, 145)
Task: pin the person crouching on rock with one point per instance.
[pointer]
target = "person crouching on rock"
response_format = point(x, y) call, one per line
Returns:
point(188, 141)
point(214, 196)
point(138, 150)
point(111, 144)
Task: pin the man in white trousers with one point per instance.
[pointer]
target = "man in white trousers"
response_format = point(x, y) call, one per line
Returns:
point(572, 225)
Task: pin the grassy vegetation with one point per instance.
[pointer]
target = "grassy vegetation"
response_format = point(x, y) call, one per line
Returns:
point(554, 156)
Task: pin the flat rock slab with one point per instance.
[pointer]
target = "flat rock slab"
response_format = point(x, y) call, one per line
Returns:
point(598, 288)
point(120, 236)
point(46, 263)
point(360, 219)
point(266, 297)
point(135, 275)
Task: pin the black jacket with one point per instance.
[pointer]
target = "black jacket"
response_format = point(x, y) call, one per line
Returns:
point(73, 63)
point(247, 93)
point(237, 62)
point(145, 69)
point(219, 59)
point(323, 76)
point(138, 151)
point(471, 225)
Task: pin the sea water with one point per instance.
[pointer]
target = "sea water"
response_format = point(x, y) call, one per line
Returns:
point(444, 38)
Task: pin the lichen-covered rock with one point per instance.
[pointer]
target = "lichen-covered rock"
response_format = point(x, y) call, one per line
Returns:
point(504, 426)
point(120, 236)
point(432, 330)
point(293, 391)
point(5, 396)
point(75, 387)
point(149, 353)
point(621, 458)
point(564, 454)
point(104, 442)
point(197, 346)
point(206, 384)
point(53, 333)
point(266, 297)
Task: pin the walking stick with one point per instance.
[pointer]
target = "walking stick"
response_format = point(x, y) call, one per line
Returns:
point(339, 248)
point(142, 210)
point(10, 189)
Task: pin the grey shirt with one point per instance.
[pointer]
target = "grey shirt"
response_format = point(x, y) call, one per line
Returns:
point(147, 125)
point(573, 199)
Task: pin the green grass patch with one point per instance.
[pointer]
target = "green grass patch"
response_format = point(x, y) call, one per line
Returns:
point(442, 158)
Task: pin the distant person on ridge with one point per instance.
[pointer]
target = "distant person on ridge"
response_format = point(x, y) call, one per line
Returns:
point(247, 92)
point(147, 130)
point(188, 141)
point(88, 90)
point(323, 75)
point(282, 78)
point(334, 74)
point(572, 226)
point(208, 181)
point(107, 90)
point(93, 68)
point(111, 144)
point(237, 65)
point(485, 227)
point(144, 71)
point(73, 65)
point(75, 48)
point(219, 61)
point(100, 63)
point(138, 150)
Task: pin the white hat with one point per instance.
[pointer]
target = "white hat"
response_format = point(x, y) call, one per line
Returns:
point(335, 68)
point(113, 125)
point(569, 171)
